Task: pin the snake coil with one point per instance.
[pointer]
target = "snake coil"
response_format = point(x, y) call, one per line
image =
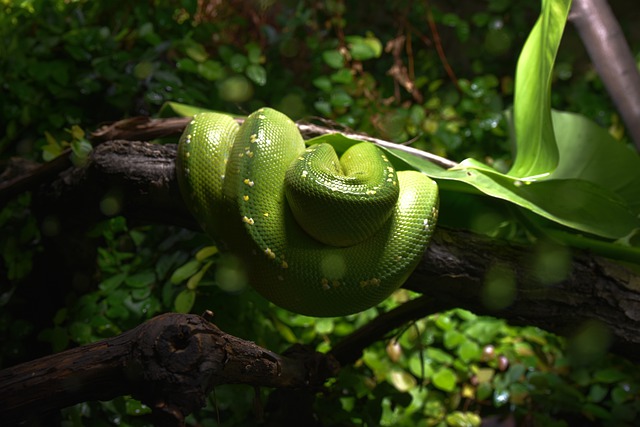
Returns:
point(317, 235)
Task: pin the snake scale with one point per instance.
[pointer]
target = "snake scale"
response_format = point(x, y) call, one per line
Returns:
point(317, 234)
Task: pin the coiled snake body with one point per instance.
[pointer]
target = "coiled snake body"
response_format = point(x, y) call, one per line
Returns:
point(318, 235)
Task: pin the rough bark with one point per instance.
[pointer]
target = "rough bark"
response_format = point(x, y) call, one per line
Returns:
point(171, 363)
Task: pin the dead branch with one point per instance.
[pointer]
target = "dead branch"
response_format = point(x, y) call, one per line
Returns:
point(170, 363)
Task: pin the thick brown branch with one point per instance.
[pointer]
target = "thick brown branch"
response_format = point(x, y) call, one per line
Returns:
point(452, 273)
point(170, 363)
point(457, 265)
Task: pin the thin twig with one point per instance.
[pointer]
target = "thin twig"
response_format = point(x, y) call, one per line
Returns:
point(312, 129)
point(439, 49)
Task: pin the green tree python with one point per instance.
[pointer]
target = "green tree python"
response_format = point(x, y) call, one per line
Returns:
point(317, 234)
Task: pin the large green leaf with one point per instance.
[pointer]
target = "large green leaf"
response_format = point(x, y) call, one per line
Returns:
point(575, 203)
point(172, 109)
point(589, 152)
point(536, 151)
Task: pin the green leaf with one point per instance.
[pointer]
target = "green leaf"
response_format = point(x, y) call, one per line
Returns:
point(196, 52)
point(622, 393)
point(402, 380)
point(333, 58)
point(284, 330)
point(437, 355)
point(112, 282)
point(445, 379)
point(484, 391)
point(463, 419)
point(184, 301)
point(143, 70)
point(574, 203)
point(170, 109)
point(444, 322)
point(324, 326)
point(609, 375)
point(135, 407)
point(596, 411)
point(340, 99)
point(597, 392)
point(257, 74)
point(206, 252)
point(254, 54)
point(484, 330)
point(536, 151)
point(187, 270)
point(187, 64)
point(211, 70)
point(323, 83)
point(342, 76)
point(589, 152)
point(363, 48)
point(194, 280)
point(80, 150)
point(469, 351)
point(238, 62)
point(140, 280)
point(453, 338)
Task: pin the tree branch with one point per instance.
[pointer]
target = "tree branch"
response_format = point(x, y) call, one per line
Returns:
point(603, 38)
point(452, 274)
point(171, 363)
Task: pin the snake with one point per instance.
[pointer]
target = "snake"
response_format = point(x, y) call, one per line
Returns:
point(317, 232)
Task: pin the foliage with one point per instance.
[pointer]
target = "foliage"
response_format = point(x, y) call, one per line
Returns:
point(377, 70)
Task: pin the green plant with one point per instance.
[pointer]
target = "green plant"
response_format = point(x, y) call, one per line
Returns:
point(72, 65)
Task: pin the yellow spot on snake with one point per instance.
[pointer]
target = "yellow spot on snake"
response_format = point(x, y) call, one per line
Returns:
point(249, 153)
point(269, 253)
point(253, 138)
point(188, 154)
point(248, 220)
point(284, 264)
point(370, 282)
point(245, 198)
point(266, 214)
point(305, 173)
point(371, 192)
point(248, 182)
